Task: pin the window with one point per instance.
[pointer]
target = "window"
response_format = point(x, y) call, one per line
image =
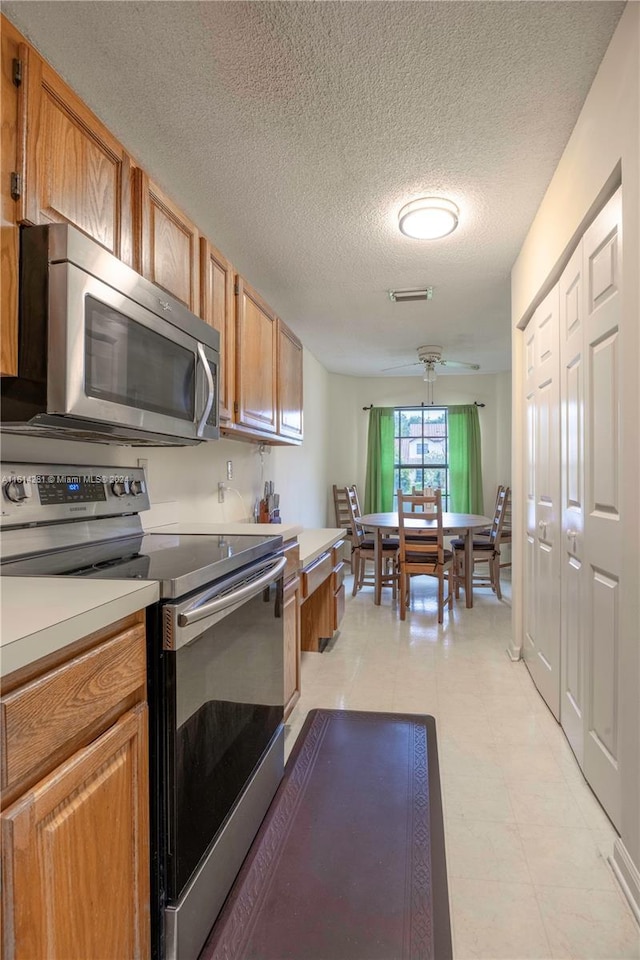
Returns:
point(421, 450)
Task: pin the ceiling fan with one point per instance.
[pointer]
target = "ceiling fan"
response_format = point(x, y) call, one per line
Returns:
point(430, 357)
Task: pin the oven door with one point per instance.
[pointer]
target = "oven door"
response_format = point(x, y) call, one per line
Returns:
point(114, 361)
point(223, 740)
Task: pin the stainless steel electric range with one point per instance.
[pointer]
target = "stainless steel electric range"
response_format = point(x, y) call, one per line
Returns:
point(215, 671)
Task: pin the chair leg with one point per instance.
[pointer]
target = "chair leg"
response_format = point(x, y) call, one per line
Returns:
point(441, 598)
point(457, 572)
point(496, 575)
point(403, 590)
point(356, 561)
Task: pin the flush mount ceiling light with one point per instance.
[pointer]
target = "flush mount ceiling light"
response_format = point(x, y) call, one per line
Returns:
point(401, 296)
point(428, 218)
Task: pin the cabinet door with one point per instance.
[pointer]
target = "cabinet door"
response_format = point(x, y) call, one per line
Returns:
point(256, 344)
point(11, 40)
point(289, 376)
point(291, 618)
point(167, 243)
point(76, 854)
point(76, 171)
point(217, 309)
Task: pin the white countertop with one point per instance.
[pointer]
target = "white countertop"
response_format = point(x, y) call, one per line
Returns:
point(43, 614)
point(285, 530)
point(314, 542)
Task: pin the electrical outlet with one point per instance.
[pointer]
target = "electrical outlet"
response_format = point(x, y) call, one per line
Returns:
point(220, 492)
point(229, 469)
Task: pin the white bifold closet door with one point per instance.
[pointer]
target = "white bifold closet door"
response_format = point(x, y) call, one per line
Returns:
point(541, 648)
point(574, 468)
point(603, 530)
point(573, 586)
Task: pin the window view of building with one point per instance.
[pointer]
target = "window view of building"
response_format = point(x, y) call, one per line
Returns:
point(421, 451)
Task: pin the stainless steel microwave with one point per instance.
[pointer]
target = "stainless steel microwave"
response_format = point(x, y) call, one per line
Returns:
point(105, 355)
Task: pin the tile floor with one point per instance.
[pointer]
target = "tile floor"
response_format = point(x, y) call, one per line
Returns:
point(527, 843)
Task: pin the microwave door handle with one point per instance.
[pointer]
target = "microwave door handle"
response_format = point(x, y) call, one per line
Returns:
point(195, 614)
point(209, 378)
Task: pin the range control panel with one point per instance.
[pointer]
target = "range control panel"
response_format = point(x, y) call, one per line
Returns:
point(48, 492)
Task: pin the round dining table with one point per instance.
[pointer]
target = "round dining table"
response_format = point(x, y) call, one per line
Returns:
point(453, 524)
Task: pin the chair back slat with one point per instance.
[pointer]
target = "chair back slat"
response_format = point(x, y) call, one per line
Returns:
point(353, 509)
point(420, 546)
point(502, 506)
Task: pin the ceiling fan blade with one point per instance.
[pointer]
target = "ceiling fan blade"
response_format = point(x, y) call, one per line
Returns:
point(459, 363)
point(399, 366)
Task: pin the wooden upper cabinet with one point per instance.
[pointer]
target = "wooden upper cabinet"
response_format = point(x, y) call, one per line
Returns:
point(75, 171)
point(167, 242)
point(256, 348)
point(217, 308)
point(289, 383)
point(11, 41)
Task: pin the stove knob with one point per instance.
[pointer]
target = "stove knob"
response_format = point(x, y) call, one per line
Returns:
point(137, 487)
point(17, 490)
point(120, 488)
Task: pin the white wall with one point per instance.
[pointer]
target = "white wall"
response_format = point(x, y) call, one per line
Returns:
point(604, 145)
point(349, 422)
point(183, 482)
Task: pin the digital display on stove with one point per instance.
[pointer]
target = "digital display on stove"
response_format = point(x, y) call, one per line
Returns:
point(71, 490)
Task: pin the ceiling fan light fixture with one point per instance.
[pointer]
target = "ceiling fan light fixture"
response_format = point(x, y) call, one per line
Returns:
point(428, 218)
point(430, 373)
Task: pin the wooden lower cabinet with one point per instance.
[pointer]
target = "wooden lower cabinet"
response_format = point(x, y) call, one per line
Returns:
point(291, 617)
point(75, 796)
point(322, 597)
point(75, 849)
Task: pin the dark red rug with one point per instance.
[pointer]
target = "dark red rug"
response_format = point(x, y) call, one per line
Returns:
point(349, 863)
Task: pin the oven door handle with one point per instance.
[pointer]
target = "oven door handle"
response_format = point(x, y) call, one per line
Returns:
point(196, 613)
point(211, 391)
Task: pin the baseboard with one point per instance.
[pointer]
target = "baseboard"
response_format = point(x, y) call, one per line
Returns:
point(514, 653)
point(627, 875)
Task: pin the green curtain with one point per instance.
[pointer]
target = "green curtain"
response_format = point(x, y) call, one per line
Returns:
point(378, 490)
point(465, 460)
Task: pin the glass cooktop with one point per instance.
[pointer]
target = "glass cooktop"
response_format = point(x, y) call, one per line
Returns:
point(180, 563)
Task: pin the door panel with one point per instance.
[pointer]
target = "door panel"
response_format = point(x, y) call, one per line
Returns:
point(542, 472)
point(573, 589)
point(603, 406)
point(602, 258)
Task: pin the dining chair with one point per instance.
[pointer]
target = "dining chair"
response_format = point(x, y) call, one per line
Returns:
point(485, 548)
point(363, 549)
point(423, 553)
point(343, 519)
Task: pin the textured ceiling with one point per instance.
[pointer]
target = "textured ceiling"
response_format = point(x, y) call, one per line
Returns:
point(292, 132)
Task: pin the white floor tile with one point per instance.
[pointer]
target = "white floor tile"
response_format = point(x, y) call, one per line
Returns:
point(588, 924)
point(495, 920)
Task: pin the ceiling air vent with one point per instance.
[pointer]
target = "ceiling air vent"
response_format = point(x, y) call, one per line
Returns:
point(402, 296)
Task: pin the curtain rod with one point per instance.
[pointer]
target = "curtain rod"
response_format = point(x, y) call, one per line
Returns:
point(423, 404)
